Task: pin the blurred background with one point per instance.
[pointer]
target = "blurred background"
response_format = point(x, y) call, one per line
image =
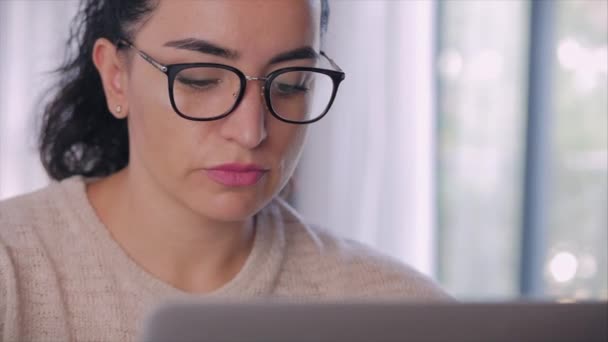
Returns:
point(470, 138)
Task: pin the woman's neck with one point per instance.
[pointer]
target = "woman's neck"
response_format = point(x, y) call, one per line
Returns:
point(167, 239)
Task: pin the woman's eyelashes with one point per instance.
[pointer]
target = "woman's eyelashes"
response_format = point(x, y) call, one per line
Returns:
point(287, 89)
point(200, 84)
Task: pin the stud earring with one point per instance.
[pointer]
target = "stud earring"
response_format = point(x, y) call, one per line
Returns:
point(118, 109)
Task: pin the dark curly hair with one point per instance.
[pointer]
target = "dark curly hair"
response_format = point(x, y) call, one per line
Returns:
point(79, 136)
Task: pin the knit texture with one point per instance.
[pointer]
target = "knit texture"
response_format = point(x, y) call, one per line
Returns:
point(64, 278)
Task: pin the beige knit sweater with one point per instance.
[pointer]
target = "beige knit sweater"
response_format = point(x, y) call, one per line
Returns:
point(63, 277)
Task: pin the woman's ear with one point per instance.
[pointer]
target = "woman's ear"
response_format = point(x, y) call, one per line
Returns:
point(113, 72)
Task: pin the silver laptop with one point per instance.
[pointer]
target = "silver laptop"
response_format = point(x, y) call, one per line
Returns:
point(377, 322)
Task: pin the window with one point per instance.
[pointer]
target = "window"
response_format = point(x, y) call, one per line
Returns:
point(483, 59)
point(577, 233)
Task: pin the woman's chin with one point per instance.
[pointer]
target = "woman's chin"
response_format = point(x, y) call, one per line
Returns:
point(229, 207)
point(225, 203)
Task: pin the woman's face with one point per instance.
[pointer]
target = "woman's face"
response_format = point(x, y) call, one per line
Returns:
point(193, 162)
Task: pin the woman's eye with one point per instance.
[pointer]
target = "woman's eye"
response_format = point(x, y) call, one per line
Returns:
point(290, 89)
point(200, 83)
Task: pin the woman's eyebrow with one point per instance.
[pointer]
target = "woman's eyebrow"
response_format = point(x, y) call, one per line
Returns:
point(305, 52)
point(206, 47)
point(203, 46)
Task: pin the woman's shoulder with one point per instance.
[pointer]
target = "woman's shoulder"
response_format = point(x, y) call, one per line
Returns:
point(29, 214)
point(23, 211)
point(37, 237)
point(339, 267)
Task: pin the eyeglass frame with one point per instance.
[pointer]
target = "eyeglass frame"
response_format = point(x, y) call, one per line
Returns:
point(171, 71)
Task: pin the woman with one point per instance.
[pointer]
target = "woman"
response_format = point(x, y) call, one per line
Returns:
point(173, 129)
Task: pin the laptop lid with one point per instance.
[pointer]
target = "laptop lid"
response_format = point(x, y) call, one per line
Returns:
point(377, 322)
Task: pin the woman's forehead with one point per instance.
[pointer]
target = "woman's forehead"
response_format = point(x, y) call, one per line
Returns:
point(243, 25)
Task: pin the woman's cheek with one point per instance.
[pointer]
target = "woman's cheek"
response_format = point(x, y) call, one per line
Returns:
point(292, 145)
point(156, 143)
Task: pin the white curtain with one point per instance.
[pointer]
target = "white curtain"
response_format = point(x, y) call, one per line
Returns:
point(32, 37)
point(367, 172)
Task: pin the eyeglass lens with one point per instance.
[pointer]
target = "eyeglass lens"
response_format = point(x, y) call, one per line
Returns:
point(208, 92)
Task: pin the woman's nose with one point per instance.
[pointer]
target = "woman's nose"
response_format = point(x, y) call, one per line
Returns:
point(246, 125)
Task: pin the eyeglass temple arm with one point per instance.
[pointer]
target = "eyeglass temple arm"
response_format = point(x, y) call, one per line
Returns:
point(163, 68)
point(331, 61)
point(143, 55)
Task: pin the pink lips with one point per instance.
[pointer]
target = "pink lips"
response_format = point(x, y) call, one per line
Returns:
point(236, 174)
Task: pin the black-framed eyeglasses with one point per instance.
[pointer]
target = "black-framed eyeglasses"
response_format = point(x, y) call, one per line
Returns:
point(211, 91)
